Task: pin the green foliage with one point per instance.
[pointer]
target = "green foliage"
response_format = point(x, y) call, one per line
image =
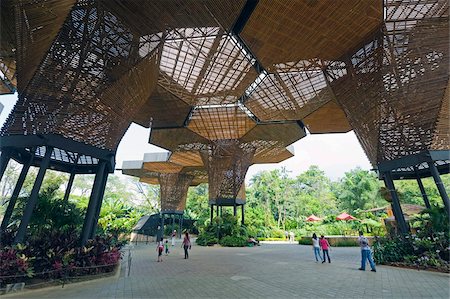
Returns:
point(358, 189)
point(207, 239)
point(233, 241)
point(225, 231)
point(429, 248)
point(305, 241)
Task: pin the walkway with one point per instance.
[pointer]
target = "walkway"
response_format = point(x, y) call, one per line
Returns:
point(277, 271)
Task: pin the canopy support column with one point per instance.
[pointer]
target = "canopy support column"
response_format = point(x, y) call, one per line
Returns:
point(32, 200)
point(439, 185)
point(396, 207)
point(95, 195)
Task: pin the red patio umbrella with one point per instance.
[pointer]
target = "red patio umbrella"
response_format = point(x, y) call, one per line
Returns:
point(313, 218)
point(345, 216)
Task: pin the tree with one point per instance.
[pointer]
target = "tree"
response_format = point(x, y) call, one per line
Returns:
point(358, 189)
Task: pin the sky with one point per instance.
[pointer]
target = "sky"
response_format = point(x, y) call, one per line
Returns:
point(333, 153)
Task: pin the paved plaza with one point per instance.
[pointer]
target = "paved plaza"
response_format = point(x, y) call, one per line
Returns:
point(270, 270)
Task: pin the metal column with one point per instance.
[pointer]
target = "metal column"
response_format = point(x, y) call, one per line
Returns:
point(181, 226)
point(69, 186)
point(242, 209)
point(212, 213)
point(32, 200)
point(234, 210)
point(161, 231)
point(15, 195)
point(439, 185)
point(422, 189)
point(91, 209)
point(98, 206)
point(4, 159)
point(398, 213)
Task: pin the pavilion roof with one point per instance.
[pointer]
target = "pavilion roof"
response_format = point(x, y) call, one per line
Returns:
point(219, 69)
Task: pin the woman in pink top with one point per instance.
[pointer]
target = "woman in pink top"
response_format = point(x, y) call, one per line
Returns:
point(186, 245)
point(325, 247)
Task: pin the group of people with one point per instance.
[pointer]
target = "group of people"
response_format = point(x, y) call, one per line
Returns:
point(289, 236)
point(322, 244)
point(162, 246)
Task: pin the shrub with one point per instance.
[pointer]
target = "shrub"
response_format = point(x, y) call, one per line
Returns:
point(207, 239)
point(305, 241)
point(14, 263)
point(346, 243)
point(233, 241)
point(277, 233)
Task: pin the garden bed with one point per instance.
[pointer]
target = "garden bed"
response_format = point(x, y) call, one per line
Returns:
point(337, 241)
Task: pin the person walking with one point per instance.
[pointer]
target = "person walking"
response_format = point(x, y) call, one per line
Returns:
point(160, 249)
point(316, 247)
point(325, 247)
point(166, 247)
point(366, 254)
point(174, 234)
point(186, 245)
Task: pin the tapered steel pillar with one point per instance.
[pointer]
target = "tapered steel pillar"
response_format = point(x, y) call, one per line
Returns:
point(397, 209)
point(422, 189)
point(439, 185)
point(69, 186)
point(15, 195)
point(98, 206)
point(92, 206)
point(4, 159)
point(161, 231)
point(242, 210)
point(212, 213)
point(181, 226)
point(32, 200)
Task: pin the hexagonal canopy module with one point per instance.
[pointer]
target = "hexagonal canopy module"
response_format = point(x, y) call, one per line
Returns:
point(174, 179)
point(228, 141)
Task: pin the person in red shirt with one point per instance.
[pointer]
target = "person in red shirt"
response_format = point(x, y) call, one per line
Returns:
point(325, 247)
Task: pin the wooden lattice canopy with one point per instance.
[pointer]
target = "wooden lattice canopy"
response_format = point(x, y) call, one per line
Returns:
point(86, 69)
point(174, 179)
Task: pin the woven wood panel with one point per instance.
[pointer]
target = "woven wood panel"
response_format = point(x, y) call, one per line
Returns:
point(88, 93)
point(290, 95)
point(227, 163)
point(329, 118)
point(174, 139)
point(150, 17)
point(149, 180)
point(174, 188)
point(282, 134)
point(7, 47)
point(441, 136)
point(284, 31)
point(37, 23)
point(162, 167)
point(221, 123)
point(163, 110)
point(273, 154)
point(204, 66)
point(186, 158)
point(398, 81)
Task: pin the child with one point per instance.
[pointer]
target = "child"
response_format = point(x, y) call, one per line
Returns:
point(325, 247)
point(167, 247)
point(159, 249)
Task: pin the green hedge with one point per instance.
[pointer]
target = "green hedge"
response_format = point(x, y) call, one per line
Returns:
point(305, 241)
point(233, 241)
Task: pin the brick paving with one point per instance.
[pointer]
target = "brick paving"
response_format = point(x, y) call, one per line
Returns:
point(274, 270)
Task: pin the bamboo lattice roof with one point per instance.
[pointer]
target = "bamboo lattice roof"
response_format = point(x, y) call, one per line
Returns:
point(215, 70)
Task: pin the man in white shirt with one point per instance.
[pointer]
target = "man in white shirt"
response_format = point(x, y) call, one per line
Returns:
point(365, 253)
